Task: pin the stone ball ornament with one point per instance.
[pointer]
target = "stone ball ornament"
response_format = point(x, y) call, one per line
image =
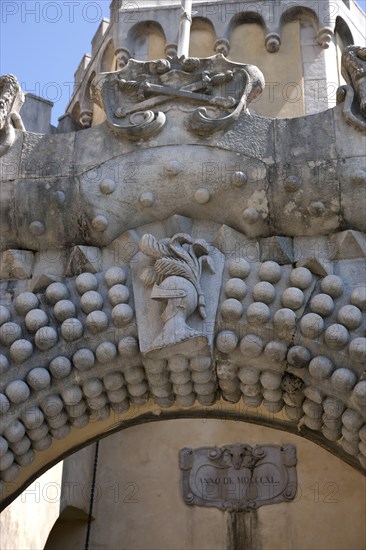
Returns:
point(64, 309)
point(107, 186)
point(46, 338)
point(236, 288)
point(56, 292)
point(239, 268)
point(177, 315)
point(115, 276)
point(86, 282)
point(270, 271)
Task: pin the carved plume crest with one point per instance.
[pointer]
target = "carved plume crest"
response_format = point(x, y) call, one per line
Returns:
point(179, 255)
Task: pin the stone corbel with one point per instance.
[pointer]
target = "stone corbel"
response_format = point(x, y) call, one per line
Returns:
point(86, 118)
point(122, 57)
point(171, 50)
point(272, 42)
point(222, 45)
point(325, 37)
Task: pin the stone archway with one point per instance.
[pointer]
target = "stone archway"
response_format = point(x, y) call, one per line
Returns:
point(98, 351)
point(160, 269)
point(137, 498)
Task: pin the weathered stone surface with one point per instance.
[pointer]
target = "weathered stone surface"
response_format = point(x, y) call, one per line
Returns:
point(296, 140)
point(245, 138)
point(352, 173)
point(47, 155)
point(10, 161)
point(84, 258)
point(348, 245)
point(298, 200)
point(16, 264)
point(281, 332)
point(277, 249)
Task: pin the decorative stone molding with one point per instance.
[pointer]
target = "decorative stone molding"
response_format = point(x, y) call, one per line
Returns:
point(272, 42)
point(276, 336)
point(175, 278)
point(257, 298)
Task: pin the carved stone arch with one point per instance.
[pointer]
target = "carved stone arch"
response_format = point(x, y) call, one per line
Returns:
point(306, 15)
point(221, 411)
point(253, 41)
point(75, 112)
point(301, 13)
point(249, 20)
point(140, 331)
point(271, 38)
point(203, 37)
point(86, 103)
point(246, 17)
point(86, 92)
point(140, 40)
point(108, 58)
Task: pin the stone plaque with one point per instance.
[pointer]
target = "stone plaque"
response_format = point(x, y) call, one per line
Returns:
point(238, 476)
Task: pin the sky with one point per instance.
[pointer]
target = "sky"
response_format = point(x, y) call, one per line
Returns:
point(42, 43)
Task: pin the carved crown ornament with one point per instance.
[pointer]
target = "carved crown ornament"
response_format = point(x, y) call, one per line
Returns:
point(212, 91)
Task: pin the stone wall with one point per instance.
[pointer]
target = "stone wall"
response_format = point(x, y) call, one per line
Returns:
point(138, 502)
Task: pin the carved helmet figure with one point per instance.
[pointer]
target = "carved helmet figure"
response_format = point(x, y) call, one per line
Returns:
point(176, 277)
point(182, 299)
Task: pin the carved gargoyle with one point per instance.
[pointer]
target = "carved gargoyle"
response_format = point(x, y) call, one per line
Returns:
point(354, 93)
point(11, 101)
point(175, 278)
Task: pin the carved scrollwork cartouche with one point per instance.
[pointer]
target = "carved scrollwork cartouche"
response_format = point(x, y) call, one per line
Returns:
point(221, 88)
point(238, 476)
